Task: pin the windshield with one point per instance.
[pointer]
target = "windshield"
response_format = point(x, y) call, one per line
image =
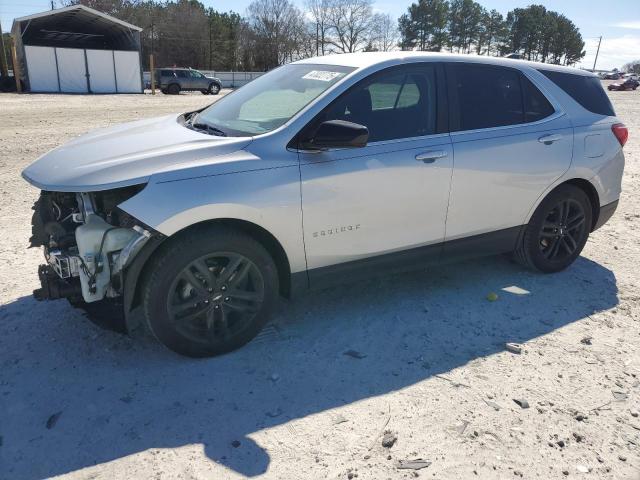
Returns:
point(270, 100)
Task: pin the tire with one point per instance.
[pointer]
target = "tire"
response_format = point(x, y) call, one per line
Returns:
point(214, 88)
point(216, 316)
point(553, 239)
point(164, 90)
point(204, 92)
point(173, 89)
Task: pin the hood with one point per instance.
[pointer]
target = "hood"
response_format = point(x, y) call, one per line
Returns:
point(126, 154)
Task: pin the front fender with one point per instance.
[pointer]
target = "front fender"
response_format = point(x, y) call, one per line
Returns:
point(268, 198)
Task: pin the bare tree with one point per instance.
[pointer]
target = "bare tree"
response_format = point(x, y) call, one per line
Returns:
point(350, 22)
point(319, 13)
point(276, 27)
point(384, 32)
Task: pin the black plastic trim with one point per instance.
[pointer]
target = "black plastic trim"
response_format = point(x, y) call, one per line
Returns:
point(133, 272)
point(492, 243)
point(606, 212)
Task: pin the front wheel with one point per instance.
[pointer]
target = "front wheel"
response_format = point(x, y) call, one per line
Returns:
point(210, 291)
point(214, 89)
point(557, 231)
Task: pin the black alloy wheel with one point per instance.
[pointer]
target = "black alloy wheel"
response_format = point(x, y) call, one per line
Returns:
point(215, 297)
point(209, 290)
point(562, 230)
point(557, 231)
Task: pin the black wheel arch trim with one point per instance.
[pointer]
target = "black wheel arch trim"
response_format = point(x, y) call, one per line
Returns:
point(605, 213)
point(135, 273)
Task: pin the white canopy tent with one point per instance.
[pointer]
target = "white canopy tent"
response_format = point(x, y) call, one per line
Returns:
point(78, 50)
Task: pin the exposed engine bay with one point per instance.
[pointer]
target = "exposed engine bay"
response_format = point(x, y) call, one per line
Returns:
point(87, 241)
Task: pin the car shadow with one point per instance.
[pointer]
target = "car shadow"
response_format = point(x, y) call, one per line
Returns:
point(73, 396)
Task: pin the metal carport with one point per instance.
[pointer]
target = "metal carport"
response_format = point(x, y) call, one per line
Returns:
point(78, 49)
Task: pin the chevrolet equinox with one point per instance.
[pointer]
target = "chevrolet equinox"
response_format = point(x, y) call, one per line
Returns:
point(322, 170)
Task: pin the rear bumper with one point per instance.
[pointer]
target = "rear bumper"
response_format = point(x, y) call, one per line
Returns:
point(606, 212)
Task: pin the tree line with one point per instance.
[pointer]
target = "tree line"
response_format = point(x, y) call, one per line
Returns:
point(274, 32)
point(632, 67)
point(465, 26)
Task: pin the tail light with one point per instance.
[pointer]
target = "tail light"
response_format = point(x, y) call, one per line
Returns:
point(621, 133)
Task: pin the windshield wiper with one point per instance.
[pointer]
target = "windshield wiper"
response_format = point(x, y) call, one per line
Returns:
point(208, 128)
point(191, 122)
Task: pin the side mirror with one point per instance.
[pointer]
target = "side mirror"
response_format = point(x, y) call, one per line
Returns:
point(338, 134)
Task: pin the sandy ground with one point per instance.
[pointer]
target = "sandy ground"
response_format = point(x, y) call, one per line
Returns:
point(85, 403)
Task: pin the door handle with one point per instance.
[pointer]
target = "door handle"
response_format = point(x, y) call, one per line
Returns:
point(549, 139)
point(430, 157)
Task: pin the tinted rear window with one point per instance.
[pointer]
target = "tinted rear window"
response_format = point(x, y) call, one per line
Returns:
point(491, 96)
point(587, 91)
point(536, 105)
point(488, 96)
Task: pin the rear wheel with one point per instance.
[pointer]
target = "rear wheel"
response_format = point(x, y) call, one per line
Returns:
point(173, 89)
point(210, 292)
point(558, 230)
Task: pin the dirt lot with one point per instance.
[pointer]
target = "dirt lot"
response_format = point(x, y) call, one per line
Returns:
point(83, 403)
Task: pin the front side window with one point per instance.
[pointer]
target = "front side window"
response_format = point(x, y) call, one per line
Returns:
point(489, 96)
point(272, 99)
point(392, 105)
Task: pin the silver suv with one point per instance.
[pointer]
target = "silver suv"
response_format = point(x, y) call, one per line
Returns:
point(324, 170)
point(175, 80)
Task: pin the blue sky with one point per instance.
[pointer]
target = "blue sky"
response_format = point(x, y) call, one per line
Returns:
point(618, 21)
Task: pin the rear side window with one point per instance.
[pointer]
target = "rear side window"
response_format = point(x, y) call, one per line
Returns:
point(536, 105)
point(489, 96)
point(585, 90)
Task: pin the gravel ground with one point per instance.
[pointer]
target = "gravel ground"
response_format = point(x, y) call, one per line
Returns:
point(428, 362)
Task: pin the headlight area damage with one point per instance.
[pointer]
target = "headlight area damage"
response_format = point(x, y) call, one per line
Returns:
point(88, 244)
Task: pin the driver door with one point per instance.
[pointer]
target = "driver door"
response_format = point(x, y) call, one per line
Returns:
point(383, 205)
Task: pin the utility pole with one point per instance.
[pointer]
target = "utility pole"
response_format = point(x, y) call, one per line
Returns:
point(52, 6)
point(597, 52)
point(210, 44)
point(152, 68)
point(3, 56)
point(16, 67)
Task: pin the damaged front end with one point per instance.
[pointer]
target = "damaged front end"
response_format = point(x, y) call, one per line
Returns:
point(88, 244)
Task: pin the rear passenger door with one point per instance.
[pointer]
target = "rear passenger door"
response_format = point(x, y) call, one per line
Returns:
point(510, 143)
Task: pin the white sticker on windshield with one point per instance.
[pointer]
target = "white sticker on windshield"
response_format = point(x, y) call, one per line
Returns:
point(321, 75)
